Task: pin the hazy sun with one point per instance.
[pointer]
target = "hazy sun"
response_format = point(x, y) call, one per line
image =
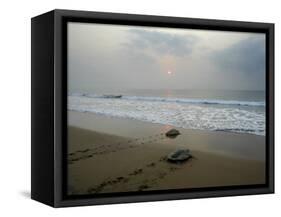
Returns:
point(169, 72)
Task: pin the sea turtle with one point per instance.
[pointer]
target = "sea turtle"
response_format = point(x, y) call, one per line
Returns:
point(179, 155)
point(172, 133)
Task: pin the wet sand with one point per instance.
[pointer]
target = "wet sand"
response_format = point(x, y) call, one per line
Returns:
point(119, 155)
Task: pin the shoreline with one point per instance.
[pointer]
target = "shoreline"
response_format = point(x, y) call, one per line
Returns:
point(134, 158)
point(204, 140)
point(157, 124)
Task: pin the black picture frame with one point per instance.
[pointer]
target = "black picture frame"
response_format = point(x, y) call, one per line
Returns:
point(49, 106)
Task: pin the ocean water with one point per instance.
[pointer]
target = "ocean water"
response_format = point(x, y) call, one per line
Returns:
point(233, 111)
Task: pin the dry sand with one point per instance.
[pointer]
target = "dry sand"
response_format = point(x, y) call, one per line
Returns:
point(134, 159)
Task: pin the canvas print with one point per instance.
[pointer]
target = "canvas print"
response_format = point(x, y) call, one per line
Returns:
point(153, 108)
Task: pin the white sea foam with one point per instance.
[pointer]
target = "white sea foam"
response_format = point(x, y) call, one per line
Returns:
point(216, 115)
point(177, 100)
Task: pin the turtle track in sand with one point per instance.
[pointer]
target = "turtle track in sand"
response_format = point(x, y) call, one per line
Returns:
point(111, 148)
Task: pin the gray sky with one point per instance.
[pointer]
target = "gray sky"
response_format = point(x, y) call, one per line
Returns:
point(115, 58)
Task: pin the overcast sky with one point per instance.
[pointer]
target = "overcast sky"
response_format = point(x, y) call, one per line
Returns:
point(116, 57)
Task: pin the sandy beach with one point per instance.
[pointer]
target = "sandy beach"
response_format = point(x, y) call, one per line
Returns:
point(120, 155)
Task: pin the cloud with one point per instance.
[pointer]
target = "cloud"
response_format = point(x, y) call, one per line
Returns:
point(106, 58)
point(246, 56)
point(161, 42)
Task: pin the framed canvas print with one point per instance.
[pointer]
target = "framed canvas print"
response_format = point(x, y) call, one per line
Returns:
point(130, 108)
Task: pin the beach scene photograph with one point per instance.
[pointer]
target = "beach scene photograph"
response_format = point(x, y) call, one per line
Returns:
point(154, 108)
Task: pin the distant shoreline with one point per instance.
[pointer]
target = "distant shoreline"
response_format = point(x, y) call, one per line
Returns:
point(187, 100)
